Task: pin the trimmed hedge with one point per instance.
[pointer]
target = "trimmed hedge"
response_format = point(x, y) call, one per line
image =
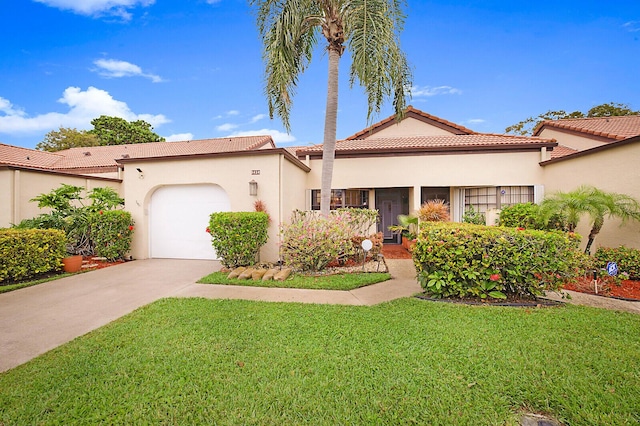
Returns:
point(464, 260)
point(628, 259)
point(238, 236)
point(527, 215)
point(28, 253)
point(111, 233)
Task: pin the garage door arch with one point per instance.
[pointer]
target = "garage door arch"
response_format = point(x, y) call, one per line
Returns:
point(178, 219)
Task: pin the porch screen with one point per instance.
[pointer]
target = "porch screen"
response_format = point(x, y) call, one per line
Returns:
point(355, 198)
point(496, 197)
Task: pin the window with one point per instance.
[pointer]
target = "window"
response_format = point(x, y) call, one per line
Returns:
point(355, 198)
point(496, 197)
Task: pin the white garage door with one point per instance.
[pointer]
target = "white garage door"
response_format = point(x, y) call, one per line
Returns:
point(179, 217)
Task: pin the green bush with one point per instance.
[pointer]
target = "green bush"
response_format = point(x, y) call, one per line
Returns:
point(28, 253)
point(527, 215)
point(70, 214)
point(473, 216)
point(311, 242)
point(464, 260)
point(111, 233)
point(628, 259)
point(238, 236)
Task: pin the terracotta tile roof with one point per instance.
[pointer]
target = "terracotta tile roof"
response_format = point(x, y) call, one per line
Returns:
point(613, 128)
point(104, 157)
point(434, 143)
point(562, 151)
point(454, 128)
point(24, 157)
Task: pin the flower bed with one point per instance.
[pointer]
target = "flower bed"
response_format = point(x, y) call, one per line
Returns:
point(627, 289)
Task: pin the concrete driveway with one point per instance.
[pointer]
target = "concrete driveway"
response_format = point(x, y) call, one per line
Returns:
point(37, 319)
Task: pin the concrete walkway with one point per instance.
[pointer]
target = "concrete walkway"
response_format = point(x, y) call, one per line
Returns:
point(37, 319)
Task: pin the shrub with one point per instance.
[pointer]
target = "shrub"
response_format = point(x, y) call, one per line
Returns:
point(528, 215)
point(628, 259)
point(27, 253)
point(238, 236)
point(434, 211)
point(70, 214)
point(311, 242)
point(462, 260)
point(473, 216)
point(111, 233)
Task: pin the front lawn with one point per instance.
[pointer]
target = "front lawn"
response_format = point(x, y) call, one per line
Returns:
point(198, 361)
point(325, 282)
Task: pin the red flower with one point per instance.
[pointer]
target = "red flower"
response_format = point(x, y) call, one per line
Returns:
point(130, 227)
point(520, 228)
point(495, 277)
point(100, 212)
point(208, 231)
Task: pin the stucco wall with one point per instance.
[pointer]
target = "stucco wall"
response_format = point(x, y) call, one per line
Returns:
point(569, 139)
point(277, 180)
point(409, 127)
point(17, 187)
point(616, 170)
point(490, 169)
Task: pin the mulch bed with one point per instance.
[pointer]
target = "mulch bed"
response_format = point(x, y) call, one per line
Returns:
point(511, 301)
point(99, 263)
point(626, 290)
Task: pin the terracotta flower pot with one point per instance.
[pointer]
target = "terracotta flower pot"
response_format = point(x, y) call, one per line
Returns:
point(72, 263)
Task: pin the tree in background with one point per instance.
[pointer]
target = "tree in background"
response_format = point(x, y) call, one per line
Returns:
point(107, 131)
point(65, 138)
point(595, 203)
point(368, 28)
point(526, 127)
point(118, 131)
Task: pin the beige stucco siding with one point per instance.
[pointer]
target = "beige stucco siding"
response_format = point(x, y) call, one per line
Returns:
point(410, 127)
point(491, 169)
point(614, 170)
point(277, 180)
point(570, 139)
point(17, 187)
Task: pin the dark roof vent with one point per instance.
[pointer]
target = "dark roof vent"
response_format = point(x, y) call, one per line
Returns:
point(87, 154)
point(125, 155)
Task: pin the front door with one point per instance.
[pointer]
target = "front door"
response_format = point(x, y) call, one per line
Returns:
point(390, 203)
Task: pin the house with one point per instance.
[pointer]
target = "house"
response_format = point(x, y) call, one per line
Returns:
point(170, 188)
point(602, 152)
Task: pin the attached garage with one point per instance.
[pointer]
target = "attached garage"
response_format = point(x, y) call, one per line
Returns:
point(178, 219)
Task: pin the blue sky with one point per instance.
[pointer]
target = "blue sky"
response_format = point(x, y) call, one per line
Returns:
point(193, 68)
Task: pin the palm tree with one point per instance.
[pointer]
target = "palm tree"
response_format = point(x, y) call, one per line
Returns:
point(368, 28)
point(594, 202)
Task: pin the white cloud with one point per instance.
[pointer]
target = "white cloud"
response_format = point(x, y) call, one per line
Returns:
point(258, 117)
point(476, 121)
point(278, 136)
point(418, 91)
point(98, 8)
point(113, 68)
point(179, 137)
point(226, 127)
point(8, 108)
point(232, 112)
point(632, 26)
point(84, 106)
point(213, 1)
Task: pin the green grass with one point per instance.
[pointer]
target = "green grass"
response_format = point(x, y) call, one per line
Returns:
point(198, 361)
point(325, 282)
point(4, 288)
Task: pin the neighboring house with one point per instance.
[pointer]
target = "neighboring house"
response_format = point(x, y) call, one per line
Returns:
point(171, 188)
point(578, 134)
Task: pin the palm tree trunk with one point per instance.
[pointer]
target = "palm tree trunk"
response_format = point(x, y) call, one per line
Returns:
point(330, 131)
point(595, 230)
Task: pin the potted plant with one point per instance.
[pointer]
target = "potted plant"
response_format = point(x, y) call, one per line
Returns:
point(407, 227)
point(72, 263)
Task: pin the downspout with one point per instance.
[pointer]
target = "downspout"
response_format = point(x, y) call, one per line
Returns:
point(280, 202)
